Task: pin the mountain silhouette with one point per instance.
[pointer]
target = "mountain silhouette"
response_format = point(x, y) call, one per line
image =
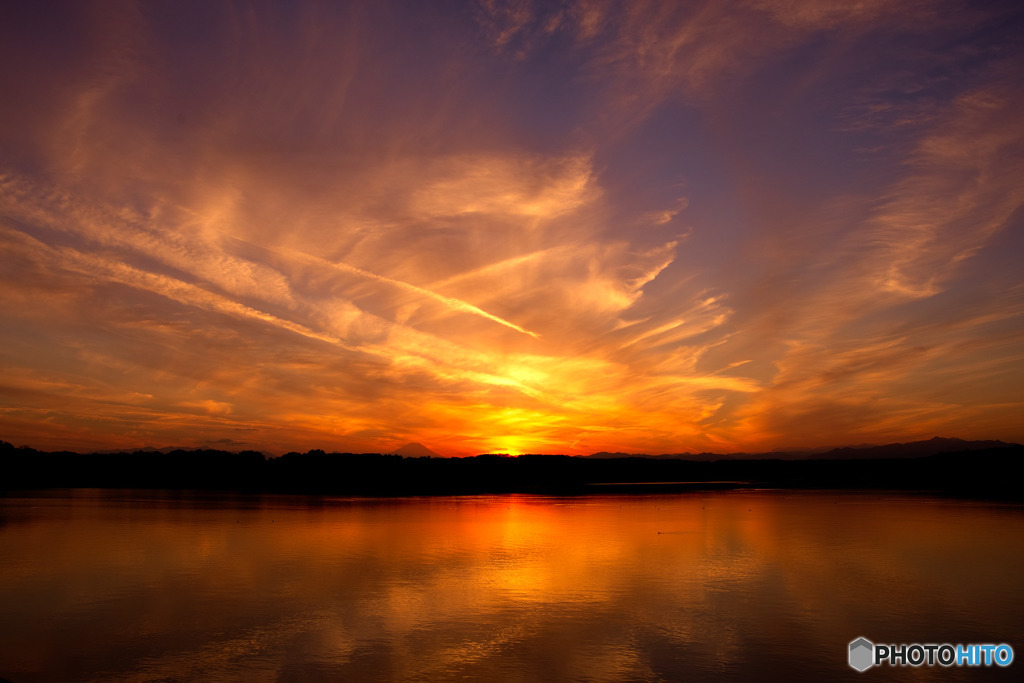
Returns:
point(416, 450)
point(912, 449)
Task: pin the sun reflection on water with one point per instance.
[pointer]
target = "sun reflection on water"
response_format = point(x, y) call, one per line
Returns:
point(491, 587)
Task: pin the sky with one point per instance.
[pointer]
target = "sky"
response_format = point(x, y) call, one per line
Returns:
point(511, 226)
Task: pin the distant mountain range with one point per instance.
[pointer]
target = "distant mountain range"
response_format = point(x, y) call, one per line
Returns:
point(168, 449)
point(913, 449)
point(409, 450)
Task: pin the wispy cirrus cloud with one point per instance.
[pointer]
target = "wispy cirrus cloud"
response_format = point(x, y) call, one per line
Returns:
point(887, 335)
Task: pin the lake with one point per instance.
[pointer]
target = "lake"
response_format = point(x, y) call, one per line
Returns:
point(730, 585)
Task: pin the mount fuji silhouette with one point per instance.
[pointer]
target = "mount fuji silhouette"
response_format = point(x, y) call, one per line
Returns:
point(416, 450)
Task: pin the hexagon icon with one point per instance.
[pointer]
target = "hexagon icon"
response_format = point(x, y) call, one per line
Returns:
point(862, 654)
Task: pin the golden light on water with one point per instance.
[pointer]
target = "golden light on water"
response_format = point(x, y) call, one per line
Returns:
point(492, 587)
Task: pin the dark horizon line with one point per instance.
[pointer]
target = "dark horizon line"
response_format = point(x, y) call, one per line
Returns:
point(981, 472)
point(920, 448)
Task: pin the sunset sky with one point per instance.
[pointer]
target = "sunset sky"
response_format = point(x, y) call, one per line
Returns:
point(551, 227)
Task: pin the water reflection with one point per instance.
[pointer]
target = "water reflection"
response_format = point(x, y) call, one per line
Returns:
point(144, 586)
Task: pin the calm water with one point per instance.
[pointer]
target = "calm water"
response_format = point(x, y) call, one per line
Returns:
point(763, 585)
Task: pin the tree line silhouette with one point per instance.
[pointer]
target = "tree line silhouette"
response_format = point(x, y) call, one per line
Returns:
point(980, 473)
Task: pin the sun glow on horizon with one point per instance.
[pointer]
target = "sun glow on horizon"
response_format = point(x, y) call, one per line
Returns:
point(510, 446)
